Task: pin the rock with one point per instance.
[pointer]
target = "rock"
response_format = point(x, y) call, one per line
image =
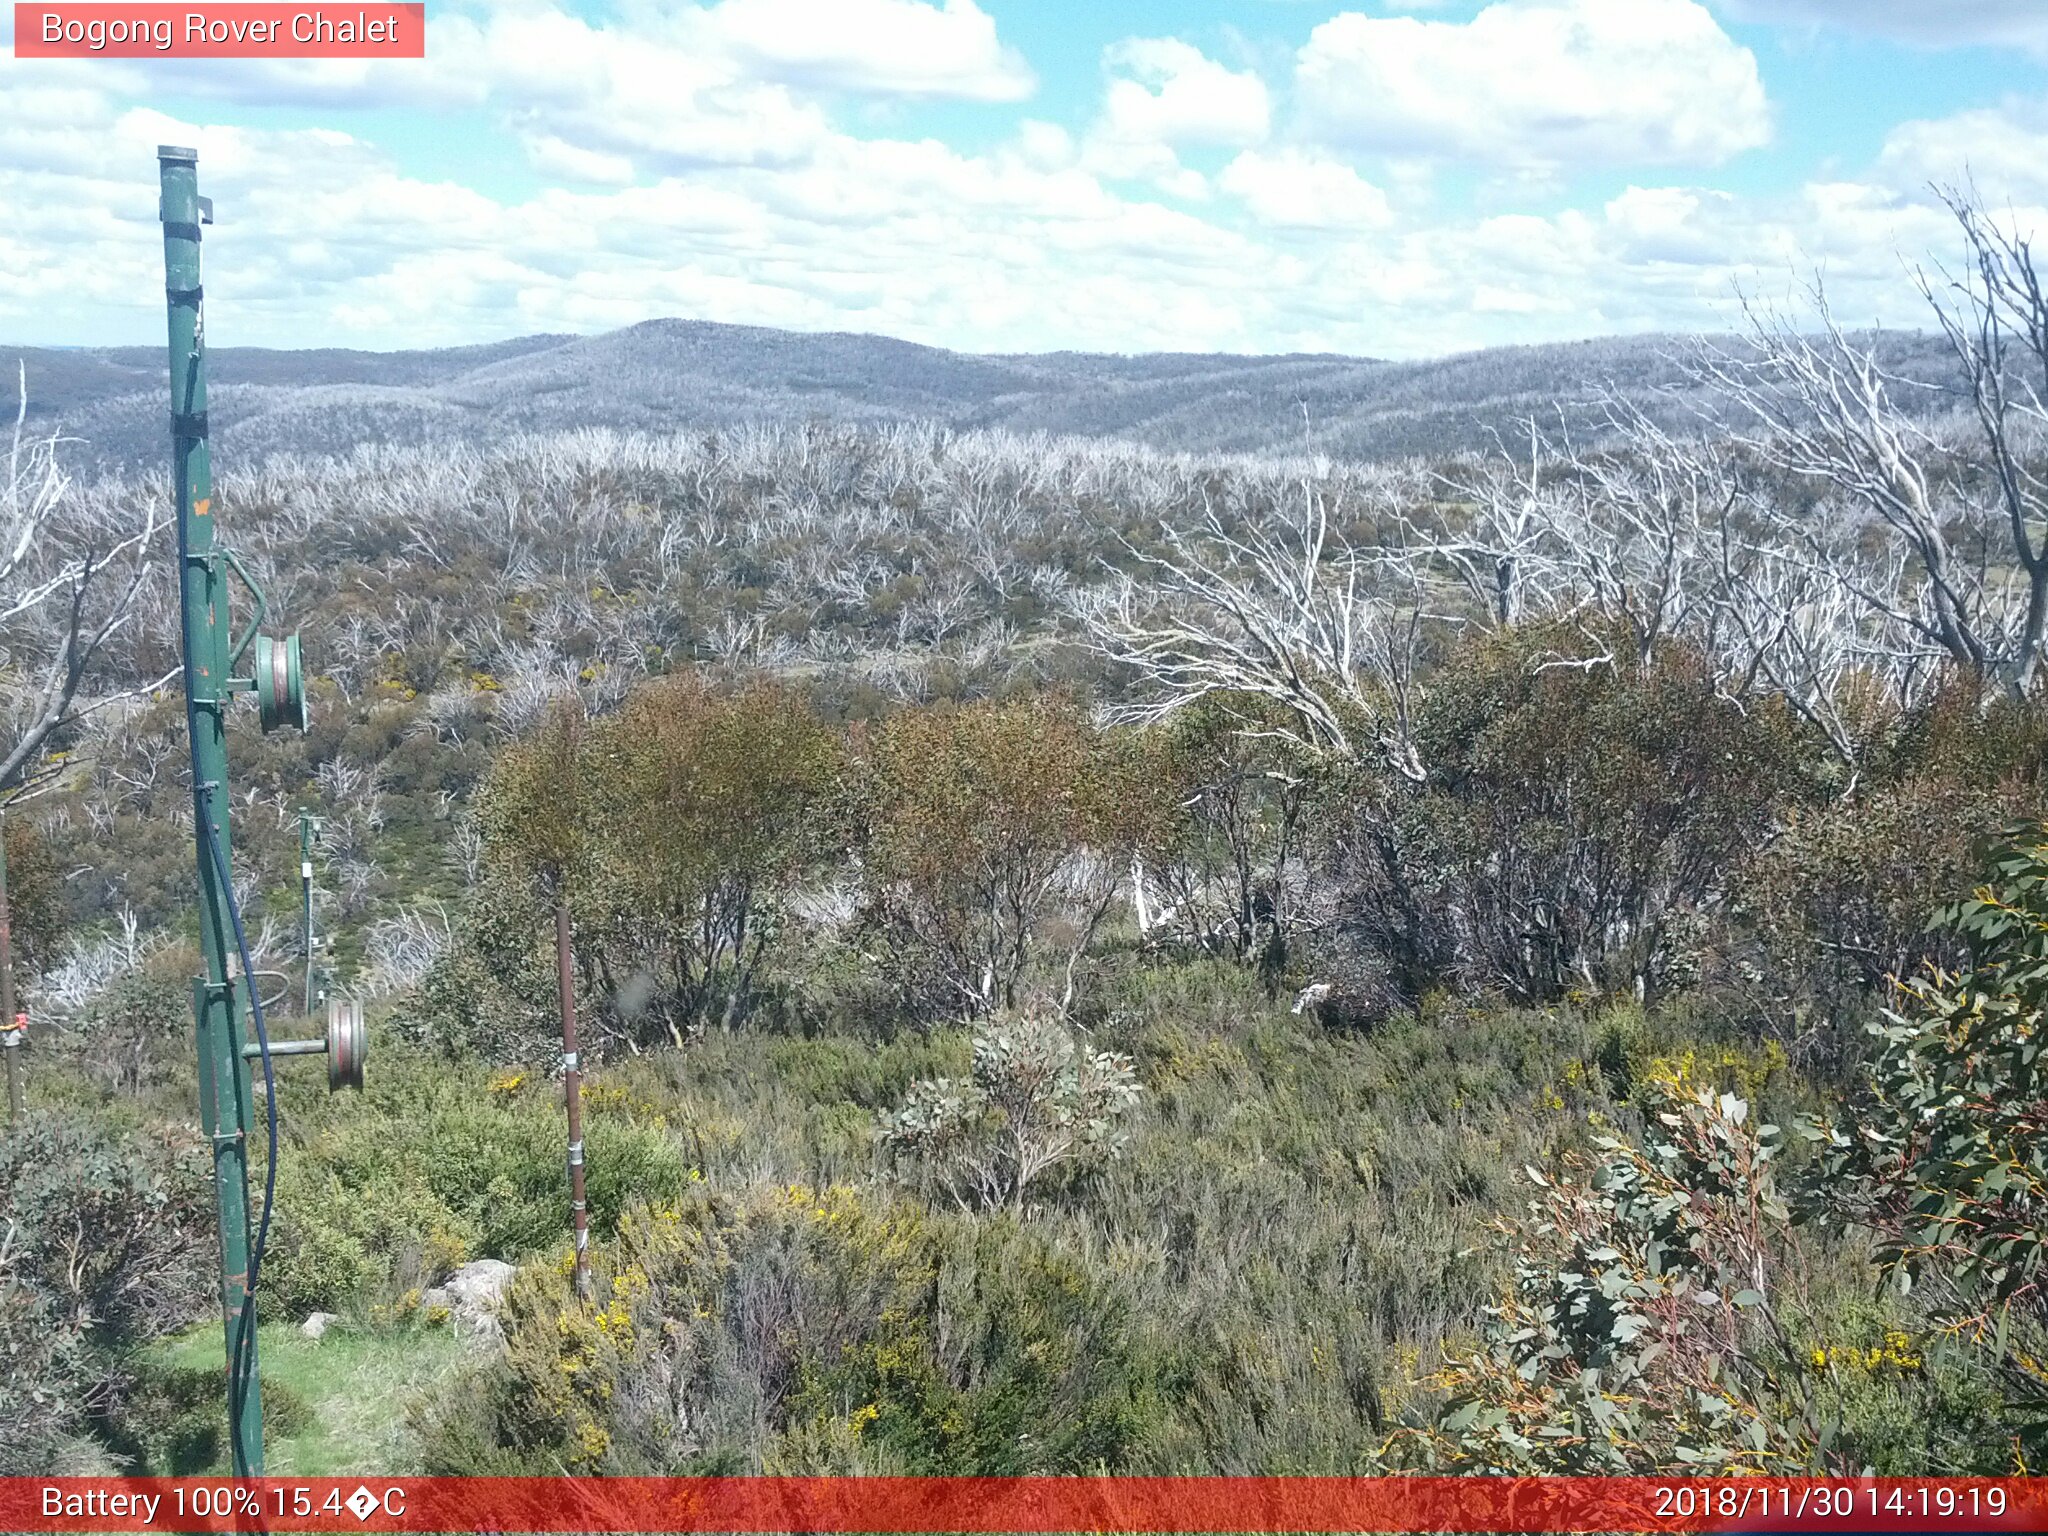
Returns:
point(479, 1286)
point(317, 1324)
point(471, 1297)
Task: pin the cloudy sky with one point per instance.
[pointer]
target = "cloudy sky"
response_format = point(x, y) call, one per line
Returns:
point(1395, 179)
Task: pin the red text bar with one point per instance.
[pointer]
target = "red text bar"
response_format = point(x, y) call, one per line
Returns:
point(1024, 1504)
point(220, 31)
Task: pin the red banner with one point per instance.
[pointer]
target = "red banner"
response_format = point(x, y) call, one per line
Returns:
point(1026, 1504)
point(221, 31)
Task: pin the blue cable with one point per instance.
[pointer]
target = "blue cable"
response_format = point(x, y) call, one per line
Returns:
point(239, 1374)
point(240, 1366)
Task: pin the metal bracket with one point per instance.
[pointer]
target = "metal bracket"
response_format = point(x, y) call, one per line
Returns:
point(345, 1045)
point(241, 646)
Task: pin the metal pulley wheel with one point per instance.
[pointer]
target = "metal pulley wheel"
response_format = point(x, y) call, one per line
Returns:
point(348, 1043)
point(280, 683)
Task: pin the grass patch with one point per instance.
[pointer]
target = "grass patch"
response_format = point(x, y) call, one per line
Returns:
point(334, 1406)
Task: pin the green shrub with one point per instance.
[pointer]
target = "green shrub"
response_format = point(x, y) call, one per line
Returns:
point(35, 895)
point(1945, 1155)
point(170, 1422)
point(1910, 1400)
point(1840, 898)
point(1576, 815)
point(801, 1329)
point(1640, 1333)
point(1037, 1100)
point(432, 1166)
point(492, 996)
point(1834, 906)
point(996, 837)
point(712, 807)
point(673, 829)
point(135, 1037)
point(1224, 857)
point(107, 1244)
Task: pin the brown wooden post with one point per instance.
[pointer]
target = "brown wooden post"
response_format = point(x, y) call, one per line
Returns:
point(572, 1093)
point(13, 1033)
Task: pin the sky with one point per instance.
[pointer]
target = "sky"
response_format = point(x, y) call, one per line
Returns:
point(1393, 178)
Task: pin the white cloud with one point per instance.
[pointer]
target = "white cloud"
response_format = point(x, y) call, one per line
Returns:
point(1537, 83)
point(893, 47)
point(1677, 225)
point(2003, 150)
point(565, 85)
point(1935, 23)
point(600, 100)
point(322, 241)
point(1169, 92)
point(1164, 96)
point(1045, 146)
point(690, 181)
point(1146, 161)
point(1295, 189)
point(573, 163)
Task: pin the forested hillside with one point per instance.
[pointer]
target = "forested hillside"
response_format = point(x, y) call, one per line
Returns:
point(668, 374)
point(1087, 957)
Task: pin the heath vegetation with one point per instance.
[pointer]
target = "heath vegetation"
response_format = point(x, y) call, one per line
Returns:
point(1091, 957)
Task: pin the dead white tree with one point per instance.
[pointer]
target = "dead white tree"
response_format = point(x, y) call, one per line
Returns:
point(1790, 625)
point(1967, 510)
point(72, 566)
point(1996, 320)
point(403, 949)
point(1619, 538)
point(1639, 541)
point(1502, 547)
point(1275, 607)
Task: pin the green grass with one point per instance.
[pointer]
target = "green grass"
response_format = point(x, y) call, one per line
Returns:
point(354, 1389)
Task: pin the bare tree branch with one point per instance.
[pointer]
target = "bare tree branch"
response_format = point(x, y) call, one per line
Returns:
point(71, 575)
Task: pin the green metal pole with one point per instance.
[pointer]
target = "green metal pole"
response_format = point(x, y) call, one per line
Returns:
point(226, 1104)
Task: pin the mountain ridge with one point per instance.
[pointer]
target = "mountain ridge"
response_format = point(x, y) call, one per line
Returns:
point(670, 374)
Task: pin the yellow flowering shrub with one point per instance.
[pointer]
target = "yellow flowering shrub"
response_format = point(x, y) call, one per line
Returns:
point(864, 1335)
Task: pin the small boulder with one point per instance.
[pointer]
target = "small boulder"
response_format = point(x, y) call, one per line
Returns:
point(316, 1326)
point(479, 1286)
point(470, 1298)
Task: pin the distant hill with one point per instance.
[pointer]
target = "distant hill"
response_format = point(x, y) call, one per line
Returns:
point(669, 374)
